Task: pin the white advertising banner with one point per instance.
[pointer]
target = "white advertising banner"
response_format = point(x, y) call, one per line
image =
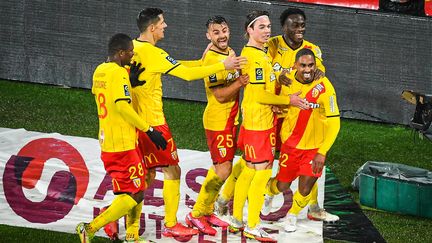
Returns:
point(53, 182)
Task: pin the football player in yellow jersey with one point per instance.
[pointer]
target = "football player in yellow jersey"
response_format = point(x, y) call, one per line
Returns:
point(148, 104)
point(257, 134)
point(283, 49)
point(220, 122)
point(307, 135)
point(117, 136)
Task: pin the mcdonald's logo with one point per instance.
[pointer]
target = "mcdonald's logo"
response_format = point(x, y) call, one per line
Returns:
point(250, 151)
point(150, 159)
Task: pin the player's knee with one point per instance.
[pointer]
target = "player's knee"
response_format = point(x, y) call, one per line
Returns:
point(172, 172)
point(138, 197)
point(304, 190)
point(223, 170)
point(283, 186)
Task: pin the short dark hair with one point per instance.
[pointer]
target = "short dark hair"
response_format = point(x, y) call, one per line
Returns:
point(147, 17)
point(253, 15)
point(217, 19)
point(118, 42)
point(304, 52)
point(290, 11)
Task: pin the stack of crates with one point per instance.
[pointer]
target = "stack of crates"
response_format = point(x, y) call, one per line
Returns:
point(396, 195)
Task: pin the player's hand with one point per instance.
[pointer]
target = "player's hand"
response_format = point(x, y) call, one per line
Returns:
point(299, 102)
point(279, 109)
point(233, 62)
point(135, 72)
point(243, 80)
point(283, 78)
point(318, 163)
point(157, 138)
point(318, 74)
point(206, 50)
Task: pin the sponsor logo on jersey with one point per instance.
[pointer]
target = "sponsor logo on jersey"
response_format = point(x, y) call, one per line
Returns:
point(258, 74)
point(150, 159)
point(313, 105)
point(212, 78)
point(171, 60)
point(126, 90)
point(231, 77)
point(277, 67)
point(282, 48)
point(272, 77)
point(250, 151)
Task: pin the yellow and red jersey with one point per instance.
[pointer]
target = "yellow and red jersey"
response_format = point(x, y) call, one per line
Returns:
point(111, 84)
point(257, 116)
point(219, 116)
point(308, 129)
point(283, 56)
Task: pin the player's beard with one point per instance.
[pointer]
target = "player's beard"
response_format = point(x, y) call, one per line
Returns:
point(222, 48)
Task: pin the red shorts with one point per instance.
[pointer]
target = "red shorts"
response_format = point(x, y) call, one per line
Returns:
point(257, 146)
point(126, 170)
point(154, 157)
point(295, 162)
point(222, 144)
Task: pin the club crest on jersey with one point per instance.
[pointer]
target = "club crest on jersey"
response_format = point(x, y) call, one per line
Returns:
point(126, 90)
point(222, 152)
point(174, 155)
point(317, 52)
point(212, 78)
point(171, 60)
point(258, 74)
point(315, 92)
point(137, 182)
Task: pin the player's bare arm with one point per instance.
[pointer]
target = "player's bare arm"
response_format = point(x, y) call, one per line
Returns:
point(319, 74)
point(283, 78)
point(227, 93)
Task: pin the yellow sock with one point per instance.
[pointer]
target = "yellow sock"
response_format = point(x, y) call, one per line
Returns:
point(299, 202)
point(314, 194)
point(171, 196)
point(208, 193)
point(241, 191)
point(228, 189)
point(132, 222)
point(256, 196)
point(120, 206)
point(271, 187)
